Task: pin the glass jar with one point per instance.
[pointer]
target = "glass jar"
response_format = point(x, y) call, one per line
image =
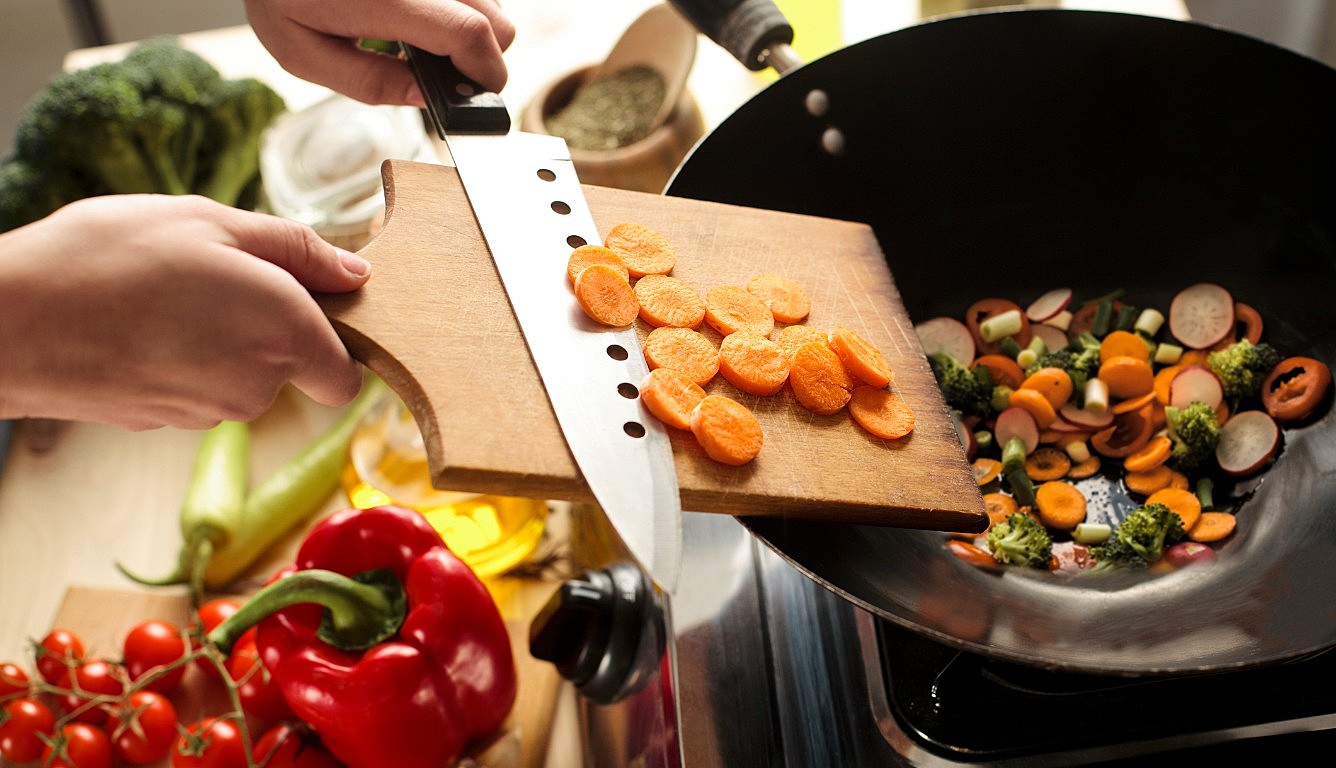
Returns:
point(387, 464)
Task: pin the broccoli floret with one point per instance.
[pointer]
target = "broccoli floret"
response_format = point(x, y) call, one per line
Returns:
point(963, 389)
point(1140, 539)
point(1242, 366)
point(1195, 430)
point(179, 88)
point(29, 192)
point(1080, 359)
point(240, 113)
point(1020, 540)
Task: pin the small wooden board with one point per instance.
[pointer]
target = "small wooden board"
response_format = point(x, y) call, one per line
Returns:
point(435, 323)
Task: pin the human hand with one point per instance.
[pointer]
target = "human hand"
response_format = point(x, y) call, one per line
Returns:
point(316, 41)
point(151, 310)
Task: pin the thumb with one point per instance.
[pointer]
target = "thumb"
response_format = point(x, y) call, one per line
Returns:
point(319, 266)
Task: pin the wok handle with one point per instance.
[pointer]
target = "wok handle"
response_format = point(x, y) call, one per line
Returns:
point(754, 31)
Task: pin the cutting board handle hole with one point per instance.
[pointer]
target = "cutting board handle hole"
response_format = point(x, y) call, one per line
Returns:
point(575, 241)
point(634, 428)
point(628, 390)
point(617, 352)
point(546, 174)
point(560, 207)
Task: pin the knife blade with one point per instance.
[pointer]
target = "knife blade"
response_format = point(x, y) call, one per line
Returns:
point(531, 210)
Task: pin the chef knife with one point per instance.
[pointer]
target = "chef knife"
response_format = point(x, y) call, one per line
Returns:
point(531, 211)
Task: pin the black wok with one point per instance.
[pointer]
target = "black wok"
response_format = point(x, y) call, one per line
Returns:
point(1100, 151)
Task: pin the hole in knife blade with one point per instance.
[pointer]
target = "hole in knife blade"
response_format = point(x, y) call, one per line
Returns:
point(634, 429)
point(560, 207)
point(628, 390)
point(617, 352)
point(575, 241)
point(464, 89)
point(546, 174)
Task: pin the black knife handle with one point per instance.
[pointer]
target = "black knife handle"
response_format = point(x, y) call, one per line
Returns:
point(455, 103)
point(744, 28)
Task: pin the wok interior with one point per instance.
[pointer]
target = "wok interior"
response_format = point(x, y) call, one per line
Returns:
point(1007, 153)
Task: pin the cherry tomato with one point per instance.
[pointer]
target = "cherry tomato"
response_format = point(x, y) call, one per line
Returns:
point(143, 728)
point(22, 725)
point(260, 696)
point(210, 743)
point(58, 651)
point(86, 681)
point(210, 614)
point(152, 644)
point(79, 745)
point(1294, 388)
point(286, 746)
point(13, 681)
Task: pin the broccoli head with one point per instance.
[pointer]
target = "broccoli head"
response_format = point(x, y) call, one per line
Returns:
point(1080, 359)
point(1020, 540)
point(1195, 430)
point(240, 112)
point(29, 192)
point(1140, 539)
point(968, 391)
point(1242, 366)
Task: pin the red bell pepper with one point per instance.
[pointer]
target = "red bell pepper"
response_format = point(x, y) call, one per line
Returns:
point(383, 641)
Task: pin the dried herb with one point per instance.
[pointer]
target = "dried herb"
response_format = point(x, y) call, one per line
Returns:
point(611, 111)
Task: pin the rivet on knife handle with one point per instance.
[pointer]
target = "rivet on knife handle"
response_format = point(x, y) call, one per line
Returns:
point(455, 103)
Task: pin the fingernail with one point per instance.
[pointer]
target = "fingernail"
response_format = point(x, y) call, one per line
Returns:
point(354, 264)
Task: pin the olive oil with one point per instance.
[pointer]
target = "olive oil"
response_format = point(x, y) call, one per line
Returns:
point(387, 464)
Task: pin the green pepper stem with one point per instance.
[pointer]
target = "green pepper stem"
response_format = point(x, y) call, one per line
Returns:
point(360, 611)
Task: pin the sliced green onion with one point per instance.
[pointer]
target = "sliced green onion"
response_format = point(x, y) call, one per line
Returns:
point(1002, 324)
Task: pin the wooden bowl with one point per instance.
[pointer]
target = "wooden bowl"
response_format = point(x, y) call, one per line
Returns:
point(644, 166)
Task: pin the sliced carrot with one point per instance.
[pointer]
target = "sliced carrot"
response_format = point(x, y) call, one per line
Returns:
point(753, 363)
point(1054, 383)
point(670, 396)
point(1047, 463)
point(1212, 526)
point(1182, 502)
point(727, 430)
point(1179, 480)
point(999, 506)
point(1083, 469)
point(665, 300)
point(1127, 376)
point(1153, 454)
point(1123, 344)
point(729, 309)
point(1006, 372)
point(788, 301)
point(1129, 433)
point(643, 250)
point(791, 337)
point(1161, 383)
point(605, 296)
point(1033, 402)
point(589, 254)
point(881, 412)
point(686, 351)
point(971, 553)
point(1250, 319)
point(986, 470)
point(818, 378)
point(1194, 357)
point(1148, 481)
point(1060, 505)
point(861, 357)
point(1132, 403)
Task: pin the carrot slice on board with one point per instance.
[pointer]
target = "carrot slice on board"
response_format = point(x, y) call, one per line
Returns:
point(1182, 502)
point(727, 430)
point(753, 363)
point(788, 301)
point(1149, 481)
point(666, 300)
point(861, 357)
point(729, 309)
point(670, 396)
point(590, 254)
point(1047, 463)
point(1212, 526)
point(881, 412)
point(1060, 505)
point(790, 337)
point(605, 296)
point(686, 351)
point(643, 250)
point(818, 378)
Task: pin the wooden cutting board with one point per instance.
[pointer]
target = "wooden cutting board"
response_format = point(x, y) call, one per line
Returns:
point(435, 323)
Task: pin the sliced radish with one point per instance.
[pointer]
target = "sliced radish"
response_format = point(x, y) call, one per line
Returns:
point(946, 334)
point(1054, 339)
point(1084, 419)
point(1248, 442)
point(1201, 315)
point(967, 439)
point(1017, 422)
point(1049, 304)
point(1195, 383)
